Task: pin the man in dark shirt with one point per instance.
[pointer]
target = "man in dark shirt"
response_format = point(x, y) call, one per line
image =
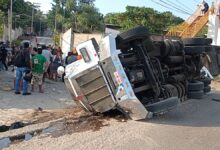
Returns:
point(4, 56)
point(23, 67)
point(205, 7)
point(70, 58)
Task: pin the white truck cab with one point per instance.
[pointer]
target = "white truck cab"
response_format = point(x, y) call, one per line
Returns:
point(98, 82)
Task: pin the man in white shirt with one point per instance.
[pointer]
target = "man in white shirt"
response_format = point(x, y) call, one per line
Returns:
point(48, 55)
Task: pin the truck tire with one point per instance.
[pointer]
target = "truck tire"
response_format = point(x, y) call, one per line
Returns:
point(184, 91)
point(165, 48)
point(178, 46)
point(208, 41)
point(207, 89)
point(208, 48)
point(172, 48)
point(206, 81)
point(194, 41)
point(213, 66)
point(195, 94)
point(180, 92)
point(195, 86)
point(140, 33)
point(164, 105)
point(194, 50)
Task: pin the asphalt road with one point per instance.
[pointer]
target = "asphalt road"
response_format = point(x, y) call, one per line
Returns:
point(55, 95)
point(193, 125)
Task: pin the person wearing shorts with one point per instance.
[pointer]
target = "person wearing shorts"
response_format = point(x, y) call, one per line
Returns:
point(48, 55)
point(39, 63)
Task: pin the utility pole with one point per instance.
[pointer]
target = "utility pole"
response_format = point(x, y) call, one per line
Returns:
point(32, 19)
point(9, 31)
point(40, 26)
point(32, 16)
point(55, 21)
point(10, 23)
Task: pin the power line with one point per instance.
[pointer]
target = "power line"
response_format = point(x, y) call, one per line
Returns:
point(170, 8)
point(174, 7)
point(181, 5)
point(196, 1)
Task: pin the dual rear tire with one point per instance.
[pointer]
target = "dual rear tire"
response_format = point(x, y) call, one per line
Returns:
point(197, 89)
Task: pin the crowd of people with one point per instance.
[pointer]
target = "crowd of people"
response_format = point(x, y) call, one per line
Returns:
point(33, 65)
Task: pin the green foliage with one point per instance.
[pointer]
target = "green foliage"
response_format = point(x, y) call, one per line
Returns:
point(22, 11)
point(56, 39)
point(203, 32)
point(88, 19)
point(1, 23)
point(4, 5)
point(16, 43)
point(81, 15)
point(155, 21)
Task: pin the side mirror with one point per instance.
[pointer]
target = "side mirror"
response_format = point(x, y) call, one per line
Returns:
point(60, 70)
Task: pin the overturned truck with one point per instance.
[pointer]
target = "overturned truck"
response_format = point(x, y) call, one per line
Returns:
point(136, 74)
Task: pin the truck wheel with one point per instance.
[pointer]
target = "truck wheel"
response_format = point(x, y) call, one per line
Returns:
point(178, 46)
point(180, 92)
point(165, 48)
point(214, 65)
point(140, 33)
point(194, 49)
point(163, 106)
point(206, 81)
point(194, 41)
point(208, 48)
point(172, 48)
point(195, 86)
point(195, 94)
point(181, 45)
point(207, 89)
point(208, 41)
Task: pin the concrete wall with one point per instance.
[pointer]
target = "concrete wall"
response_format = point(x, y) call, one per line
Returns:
point(82, 37)
point(14, 34)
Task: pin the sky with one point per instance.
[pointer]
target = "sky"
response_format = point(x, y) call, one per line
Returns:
point(106, 6)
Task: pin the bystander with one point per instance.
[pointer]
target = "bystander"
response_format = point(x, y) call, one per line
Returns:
point(23, 63)
point(47, 54)
point(39, 63)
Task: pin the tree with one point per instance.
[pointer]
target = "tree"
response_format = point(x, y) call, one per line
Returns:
point(81, 15)
point(4, 5)
point(89, 19)
point(1, 23)
point(155, 21)
point(21, 13)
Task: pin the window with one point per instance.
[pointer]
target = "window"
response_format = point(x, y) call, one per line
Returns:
point(85, 54)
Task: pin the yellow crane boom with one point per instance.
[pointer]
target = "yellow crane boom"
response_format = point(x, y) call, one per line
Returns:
point(191, 27)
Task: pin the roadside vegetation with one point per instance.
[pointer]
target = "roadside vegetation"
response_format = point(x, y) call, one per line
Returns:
point(84, 17)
